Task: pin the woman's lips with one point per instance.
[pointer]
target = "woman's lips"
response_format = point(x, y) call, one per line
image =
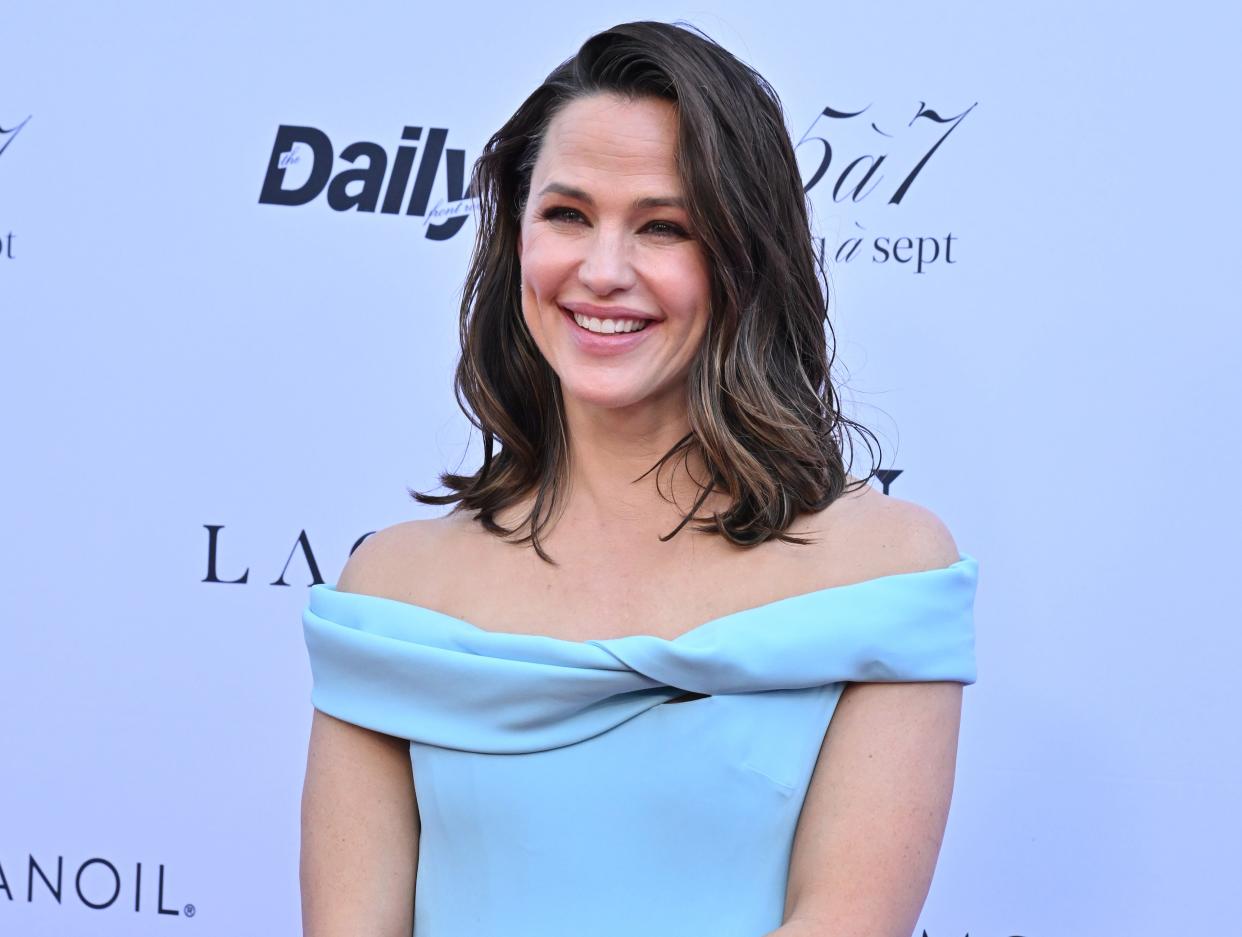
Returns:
point(603, 344)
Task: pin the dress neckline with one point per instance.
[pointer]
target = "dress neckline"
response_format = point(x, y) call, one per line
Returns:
point(965, 564)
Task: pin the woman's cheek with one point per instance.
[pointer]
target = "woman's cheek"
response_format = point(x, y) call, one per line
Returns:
point(546, 268)
point(685, 289)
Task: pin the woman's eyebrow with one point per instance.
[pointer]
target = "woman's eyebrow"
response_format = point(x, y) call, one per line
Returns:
point(650, 201)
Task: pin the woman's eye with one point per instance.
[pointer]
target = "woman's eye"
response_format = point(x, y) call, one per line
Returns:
point(667, 229)
point(664, 229)
point(559, 213)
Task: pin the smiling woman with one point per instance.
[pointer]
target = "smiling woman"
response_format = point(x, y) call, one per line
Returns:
point(738, 731)
point(651, 176)
point(615, 291)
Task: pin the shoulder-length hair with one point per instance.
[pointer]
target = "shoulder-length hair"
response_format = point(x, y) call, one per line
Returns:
point(763, 411)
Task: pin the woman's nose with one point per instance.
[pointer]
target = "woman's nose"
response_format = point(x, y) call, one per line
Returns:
point(606, 266)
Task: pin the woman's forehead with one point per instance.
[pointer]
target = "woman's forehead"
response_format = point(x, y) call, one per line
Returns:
point(604, 134)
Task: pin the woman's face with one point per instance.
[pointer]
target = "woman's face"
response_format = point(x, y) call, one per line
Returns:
point(606, 235)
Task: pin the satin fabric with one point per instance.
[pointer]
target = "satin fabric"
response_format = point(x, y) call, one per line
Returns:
point(560, 792)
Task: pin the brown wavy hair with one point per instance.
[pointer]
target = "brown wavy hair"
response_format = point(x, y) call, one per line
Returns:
point(763, 412)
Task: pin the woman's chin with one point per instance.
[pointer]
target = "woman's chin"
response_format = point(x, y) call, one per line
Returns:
point(592, 393)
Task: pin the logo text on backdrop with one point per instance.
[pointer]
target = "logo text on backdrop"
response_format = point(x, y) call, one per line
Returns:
point(301, 163)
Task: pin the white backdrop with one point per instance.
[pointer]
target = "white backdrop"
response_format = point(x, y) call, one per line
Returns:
point(188, 368)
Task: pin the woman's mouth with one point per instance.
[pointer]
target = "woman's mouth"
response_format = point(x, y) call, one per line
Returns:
point(598, 335)
point(599, 326)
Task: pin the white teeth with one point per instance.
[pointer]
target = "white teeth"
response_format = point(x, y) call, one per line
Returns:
point(610, 326)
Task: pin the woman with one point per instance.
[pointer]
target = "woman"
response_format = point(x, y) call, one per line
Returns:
point(554, 711)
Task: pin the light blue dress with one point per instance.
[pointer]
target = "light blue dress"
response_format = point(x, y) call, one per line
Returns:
point(561, 794)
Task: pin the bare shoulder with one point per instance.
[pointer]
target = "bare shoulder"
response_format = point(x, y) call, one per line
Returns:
point(386, 563)
point(885, 535)
point(903, 536)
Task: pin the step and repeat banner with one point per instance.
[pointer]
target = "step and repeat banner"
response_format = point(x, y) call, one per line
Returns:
point(232, 243)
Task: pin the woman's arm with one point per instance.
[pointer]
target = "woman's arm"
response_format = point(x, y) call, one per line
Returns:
point(876, 808)
point(360, 833)
point(875, 812)
point(360, 824)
